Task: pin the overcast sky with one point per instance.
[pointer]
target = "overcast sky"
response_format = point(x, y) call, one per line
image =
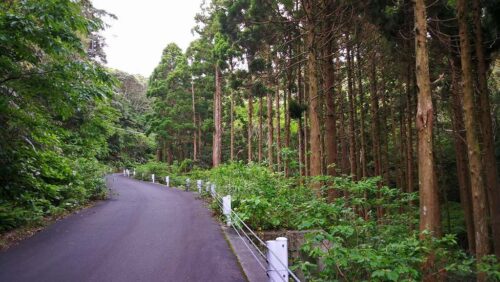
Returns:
point(143, 28)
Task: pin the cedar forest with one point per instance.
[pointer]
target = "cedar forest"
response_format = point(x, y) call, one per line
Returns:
point(373, 124)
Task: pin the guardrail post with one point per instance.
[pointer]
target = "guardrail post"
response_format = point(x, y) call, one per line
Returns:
point(188, 183)
point(277, 257)
point(167, 181)
point(124, 173)
point(212, 190)
point(134, 172)
point(199, 183)
point(207, 187)
point(153, 178)
point(226, 208)
point(128, 172)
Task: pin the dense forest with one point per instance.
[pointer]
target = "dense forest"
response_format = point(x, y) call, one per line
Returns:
point(65, 118)
point(375, 122)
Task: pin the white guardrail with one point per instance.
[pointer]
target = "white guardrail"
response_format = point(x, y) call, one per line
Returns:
point(274, 263)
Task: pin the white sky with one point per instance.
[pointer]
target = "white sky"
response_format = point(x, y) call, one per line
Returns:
point(143, 28)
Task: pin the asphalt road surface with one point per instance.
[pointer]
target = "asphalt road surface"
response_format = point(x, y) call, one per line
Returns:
point(145, 232)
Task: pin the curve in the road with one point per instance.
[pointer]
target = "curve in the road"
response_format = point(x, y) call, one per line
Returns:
point(145, 232)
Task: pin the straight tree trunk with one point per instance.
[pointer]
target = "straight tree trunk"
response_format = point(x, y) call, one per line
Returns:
point(331, 119)
point(217, 144)
point(362, 151)
point(352, 131)
point(250, 125)
point(490, 164)
point(345, 165)
point(409, 133)
point(278, 127)
point(232, 127)
point(261, 132)
point(375, 128)
point(195, 147)
point(429, 198)
point(461, 156)
point(307, 151)
point(270, 128)
point(286, 108)
point(300, 95)
point(479, 202)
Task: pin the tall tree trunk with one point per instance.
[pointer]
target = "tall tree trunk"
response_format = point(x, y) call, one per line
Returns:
point(384, 142)
point(261, 132)
point(232, 127)
point(409, 132)
point(345, 165)
point(270, 128)
point(490, 164)
point(195, 147)
point(331, 118)
point(286, 109)
point(352, 131)
point(375, 127)
point(278, 126)
point(200, 148)
point(429, 198)
point(250, 125)
point(479, 202)
point(362, 151)
point(217, 144)
point(300, 95)
point(461, 156)
point(315, 141)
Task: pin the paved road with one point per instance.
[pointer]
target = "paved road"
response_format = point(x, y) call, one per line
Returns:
point(145, 232)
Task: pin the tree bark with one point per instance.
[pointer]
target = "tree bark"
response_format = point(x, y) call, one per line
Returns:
point(479, 202)
point(232, 127)
point(195, 147)
point(217, 144)
point(490, 164)
point(352, 133)
point(278, 126)
point(409, 133)
point(250, 125)
point(375, 127)
point(429, 198)
point(315, 141)
point(362, 151)
point(261, 132)
point(270, 128)
point(331, 116)
point(461, 156)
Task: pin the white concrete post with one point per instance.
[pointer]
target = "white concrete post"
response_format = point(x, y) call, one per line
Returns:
point(134, 172)
point(226, 208)
point(167, 180)
point(207, 187)
point(199, 183)
point(124, 173)
point(153, 178)
point(188, 183)
point(277, 257)
point(212, 190)
point(128, 172)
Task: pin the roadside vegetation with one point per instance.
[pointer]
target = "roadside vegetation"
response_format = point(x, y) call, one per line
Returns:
point(65, 120)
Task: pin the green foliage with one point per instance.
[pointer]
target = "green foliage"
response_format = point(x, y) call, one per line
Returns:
point(55, 109)
point(349, 241)
point(296, 109)
point(259, 89)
